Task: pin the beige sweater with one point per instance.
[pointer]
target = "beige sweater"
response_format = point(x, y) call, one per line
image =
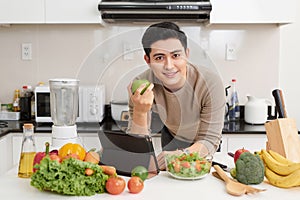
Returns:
point(196, 111)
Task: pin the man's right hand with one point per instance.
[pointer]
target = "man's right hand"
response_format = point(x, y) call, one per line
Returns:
point(141, 106)
point(142, 103)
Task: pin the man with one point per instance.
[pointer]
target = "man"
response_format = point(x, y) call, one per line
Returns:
point(189, 100)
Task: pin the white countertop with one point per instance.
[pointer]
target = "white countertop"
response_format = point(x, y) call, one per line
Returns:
point(160, 187)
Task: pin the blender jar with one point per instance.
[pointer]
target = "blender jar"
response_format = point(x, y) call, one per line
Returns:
point(64, 101)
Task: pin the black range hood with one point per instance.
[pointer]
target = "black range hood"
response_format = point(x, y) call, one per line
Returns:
point(155, 10)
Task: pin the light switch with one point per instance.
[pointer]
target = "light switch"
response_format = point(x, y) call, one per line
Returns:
point(231, 53)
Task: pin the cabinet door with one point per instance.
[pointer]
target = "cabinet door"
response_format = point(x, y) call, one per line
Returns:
point(20, 11)
point(72, 11)
point(3, 155)
point(251, 142)
point(223, 145)
point(40, 140)
point(252, 11)
point(17, 145)
point(91, 141)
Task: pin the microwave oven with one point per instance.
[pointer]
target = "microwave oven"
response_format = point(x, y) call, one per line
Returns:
point(90, 106)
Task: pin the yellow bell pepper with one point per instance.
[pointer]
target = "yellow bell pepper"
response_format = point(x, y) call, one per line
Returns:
point(71, 148)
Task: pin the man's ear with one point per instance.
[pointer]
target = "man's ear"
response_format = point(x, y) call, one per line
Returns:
point(147, 59)
point(187, 52)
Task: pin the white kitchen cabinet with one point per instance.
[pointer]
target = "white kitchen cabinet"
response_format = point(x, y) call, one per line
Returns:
point(90, 140)
point(252, 11)
point(16, 147)
point(49, 12)
point(22, 12)
point(251, 142)
point(41, 139)
point(5, 154)
point(223, 145)
point(72, 11)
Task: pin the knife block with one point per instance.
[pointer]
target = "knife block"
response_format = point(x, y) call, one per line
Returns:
point(283, 138)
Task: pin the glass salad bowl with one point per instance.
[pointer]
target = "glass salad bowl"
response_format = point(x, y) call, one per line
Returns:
point(188, 166)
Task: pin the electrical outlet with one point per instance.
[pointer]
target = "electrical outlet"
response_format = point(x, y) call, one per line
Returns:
point(231, 52)
point(26, 51)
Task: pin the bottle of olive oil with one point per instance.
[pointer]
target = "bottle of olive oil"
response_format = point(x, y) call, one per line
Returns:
point(28, 152)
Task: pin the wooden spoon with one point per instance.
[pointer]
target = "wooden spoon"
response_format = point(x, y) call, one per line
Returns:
point(232, 187)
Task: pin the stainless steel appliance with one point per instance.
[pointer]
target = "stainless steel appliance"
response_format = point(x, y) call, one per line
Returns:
point(154, 10)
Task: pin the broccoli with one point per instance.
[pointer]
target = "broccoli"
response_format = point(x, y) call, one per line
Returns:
point(249, 169)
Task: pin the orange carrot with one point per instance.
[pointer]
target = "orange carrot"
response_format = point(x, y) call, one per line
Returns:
point(108, 170)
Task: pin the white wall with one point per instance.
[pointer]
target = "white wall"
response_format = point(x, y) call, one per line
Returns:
point(94, 54)
point(289, 66)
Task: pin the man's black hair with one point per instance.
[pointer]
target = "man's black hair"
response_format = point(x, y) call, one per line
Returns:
point(162, 31)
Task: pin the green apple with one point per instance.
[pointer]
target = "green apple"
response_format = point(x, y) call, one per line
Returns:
point(137, 83)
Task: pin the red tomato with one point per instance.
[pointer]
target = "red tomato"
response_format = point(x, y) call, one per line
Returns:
point(135, 184)
point(115, 185)
point(238, 153)
point(185, 164)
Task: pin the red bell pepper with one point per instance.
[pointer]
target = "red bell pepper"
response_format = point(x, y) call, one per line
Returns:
point(40, 155)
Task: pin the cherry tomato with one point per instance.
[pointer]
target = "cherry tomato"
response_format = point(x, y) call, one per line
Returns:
point(135, 184)
point(115, 185)
point(185, 164)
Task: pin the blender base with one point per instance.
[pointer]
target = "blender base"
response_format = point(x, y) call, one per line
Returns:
point(62, 135)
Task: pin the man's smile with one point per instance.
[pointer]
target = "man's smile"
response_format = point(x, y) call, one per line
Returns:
point(170, 74)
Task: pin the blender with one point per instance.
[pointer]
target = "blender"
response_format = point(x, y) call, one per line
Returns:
point(64, 101)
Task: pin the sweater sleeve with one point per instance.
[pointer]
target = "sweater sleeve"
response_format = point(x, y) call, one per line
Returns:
point(144, 75)
point(212, 114)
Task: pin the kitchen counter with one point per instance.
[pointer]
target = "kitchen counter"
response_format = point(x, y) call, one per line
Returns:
point(159, 187)
point(239, 127)
point(242, 127)
point(17, 127)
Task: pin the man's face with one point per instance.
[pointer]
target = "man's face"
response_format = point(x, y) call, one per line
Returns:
point(168, 61)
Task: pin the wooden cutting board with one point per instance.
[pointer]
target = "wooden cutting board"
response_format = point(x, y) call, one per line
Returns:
point(283, 138)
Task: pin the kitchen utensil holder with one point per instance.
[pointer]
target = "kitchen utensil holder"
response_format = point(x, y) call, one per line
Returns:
point(282, 135)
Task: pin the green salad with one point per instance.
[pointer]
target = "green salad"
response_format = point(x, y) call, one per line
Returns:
point(187, 165)
point(68, 177)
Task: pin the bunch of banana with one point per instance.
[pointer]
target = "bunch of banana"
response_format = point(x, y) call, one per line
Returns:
point(280, 171)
